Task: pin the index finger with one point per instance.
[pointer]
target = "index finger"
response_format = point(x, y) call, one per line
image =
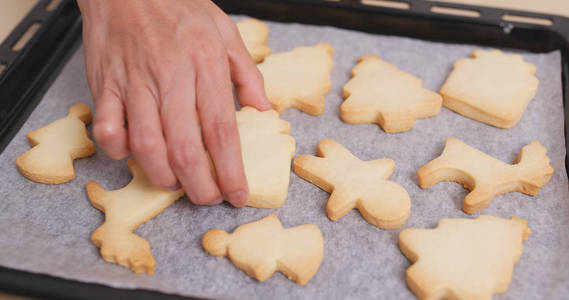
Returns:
point(219, 127)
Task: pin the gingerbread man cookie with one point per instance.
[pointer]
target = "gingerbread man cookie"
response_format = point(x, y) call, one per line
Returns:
point(260, 248)
point(486, 176)
point(380, 93)
point(55, 146)
point(356, 184)
point(125, 209)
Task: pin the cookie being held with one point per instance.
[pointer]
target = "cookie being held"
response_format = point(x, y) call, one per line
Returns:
point(486, 176)
point(260, 248)
point(463, 258)
point(254, 34)
point(356, 184)
point(299, 78)
point(55, 146)
point(380, 93)
point(125, 209)
point(267, 149)
point(491, 87)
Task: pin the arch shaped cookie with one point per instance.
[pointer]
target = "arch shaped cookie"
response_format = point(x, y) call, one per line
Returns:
point(299, 78)
point(463, 258)
point(55, 146)
point(254, 34)
point(491, 87)
point(380, 93)
point(486, 176)
point(267, 149)
point(260, 248)
point(356, 184)
point(125, 209)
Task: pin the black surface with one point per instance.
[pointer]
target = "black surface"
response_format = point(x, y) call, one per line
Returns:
point(49, 287)
point(31, 71)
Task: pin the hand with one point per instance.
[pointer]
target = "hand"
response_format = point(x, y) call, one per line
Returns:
point(161, 66)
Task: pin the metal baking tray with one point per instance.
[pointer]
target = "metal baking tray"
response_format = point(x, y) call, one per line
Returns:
point(29, 72)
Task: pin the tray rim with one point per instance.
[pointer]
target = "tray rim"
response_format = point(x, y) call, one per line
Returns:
point(50, 287)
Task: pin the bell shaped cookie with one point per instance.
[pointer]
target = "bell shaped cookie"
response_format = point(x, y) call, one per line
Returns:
point(55, 146)
point(260, 248)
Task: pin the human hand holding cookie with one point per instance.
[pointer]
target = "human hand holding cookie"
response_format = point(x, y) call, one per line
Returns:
point(161, 72)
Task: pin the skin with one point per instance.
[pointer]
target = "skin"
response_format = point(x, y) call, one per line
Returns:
point(160, 66)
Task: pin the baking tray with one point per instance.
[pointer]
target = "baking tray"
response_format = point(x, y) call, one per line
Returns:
point(30, 72)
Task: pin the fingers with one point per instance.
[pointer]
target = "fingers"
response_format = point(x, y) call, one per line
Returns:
point(146, 138)
point(245, 75)
point(109, 125)
point(186, 152)
point(219, 128)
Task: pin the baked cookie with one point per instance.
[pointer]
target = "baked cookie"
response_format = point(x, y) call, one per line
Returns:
point(356, 184)
point(299, 78)
point(55, 146)
point(260, 248)
point(492, 87)
point(486, 176)
point(463, 258)
point(254, 34)
point(125, 209)
point(380, 93)
point(267, 150)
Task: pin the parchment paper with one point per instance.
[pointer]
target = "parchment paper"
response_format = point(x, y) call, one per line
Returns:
point(46, 228)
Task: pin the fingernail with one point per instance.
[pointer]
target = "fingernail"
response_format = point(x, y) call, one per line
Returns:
point(216, 201)
point(175, 188)
point(238, 198)
point(266, 105)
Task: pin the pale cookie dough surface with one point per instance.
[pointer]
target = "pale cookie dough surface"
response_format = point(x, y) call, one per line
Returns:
point(125, 209)
point(380, 93)
point(263, 247)
point(55, 146)
point(486, 176)
point(299, 78)
point(46, 228)
point(463, 258)
point(267, 149)
point(353, 183)
point(255, 34)
point(491, 87)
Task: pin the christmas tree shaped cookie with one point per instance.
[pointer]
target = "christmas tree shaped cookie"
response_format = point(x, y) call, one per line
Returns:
point(356, 184)
point(263, 247)
point(254, 34)
point(491, 87)
point(55, 146)
point(125, 209)
point(299, 78)
point(267, 150)
point(486, 176)
point(380, 93)
point(463, 258)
